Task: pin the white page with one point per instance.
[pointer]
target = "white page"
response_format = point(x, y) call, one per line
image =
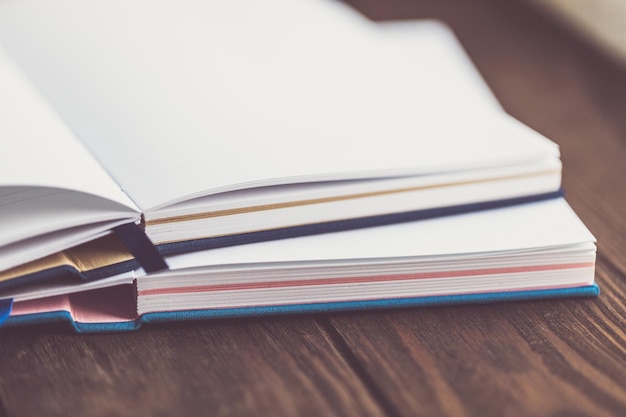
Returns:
point(178, 97)
point(545, 224)
point(37, 149)
point(33, 292)
point(464, 85)
point(51, 186)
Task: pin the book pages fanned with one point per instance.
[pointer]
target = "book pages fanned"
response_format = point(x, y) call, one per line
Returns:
point(270, 157)
point(49, 181)
point(351, 101)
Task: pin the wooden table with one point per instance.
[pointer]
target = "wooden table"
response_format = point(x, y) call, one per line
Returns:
point(539, 358)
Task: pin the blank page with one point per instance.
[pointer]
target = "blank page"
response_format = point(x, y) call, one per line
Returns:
point(177, 98)
point(38, 149)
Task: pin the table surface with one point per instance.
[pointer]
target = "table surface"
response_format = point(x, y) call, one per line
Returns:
point(539, 358)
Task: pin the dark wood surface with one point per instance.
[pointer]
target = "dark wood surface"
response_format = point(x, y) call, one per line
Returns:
point(539, 358)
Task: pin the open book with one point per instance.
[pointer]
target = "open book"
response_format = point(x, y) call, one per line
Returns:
point(208, 124)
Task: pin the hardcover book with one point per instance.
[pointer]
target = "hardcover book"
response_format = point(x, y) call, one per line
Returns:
point(535, 250)
point(161, 153)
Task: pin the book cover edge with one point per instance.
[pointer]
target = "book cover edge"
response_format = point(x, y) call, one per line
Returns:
point(588, 291)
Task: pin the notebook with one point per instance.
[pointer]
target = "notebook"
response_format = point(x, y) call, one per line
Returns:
point(216, 123)
point(190, 159)
point(537, 250)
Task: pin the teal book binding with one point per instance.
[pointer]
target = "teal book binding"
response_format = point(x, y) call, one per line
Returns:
point(64, 316)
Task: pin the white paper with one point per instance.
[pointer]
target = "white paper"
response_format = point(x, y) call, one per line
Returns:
point(38, 149)
point(49, 181)
point(179, 97)
point(526, 227)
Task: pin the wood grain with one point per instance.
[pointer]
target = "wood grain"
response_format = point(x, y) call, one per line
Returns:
point(279, 366)
point(547, 358)
point(540, 358)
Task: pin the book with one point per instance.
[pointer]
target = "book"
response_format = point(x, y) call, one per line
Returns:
point(199, 159)
point(152, 115)
point(537, 250)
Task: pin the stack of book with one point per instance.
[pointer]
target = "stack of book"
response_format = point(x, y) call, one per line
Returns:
point(169, 160)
